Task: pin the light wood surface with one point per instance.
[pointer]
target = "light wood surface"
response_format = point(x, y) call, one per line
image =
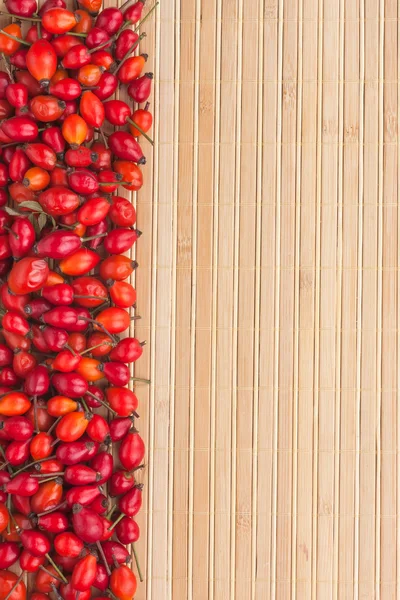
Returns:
point(269, 291)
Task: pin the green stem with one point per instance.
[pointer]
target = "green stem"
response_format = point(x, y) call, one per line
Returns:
point(35, 415)
point(8, 504)
point(51, 574)
point(141, 130)
point(115, 183)
point(109, 514)
point(17, 527)
point(87, 409)
point(53, 564)
point(32, 464)
point(3, 12)
point(9, 71)
point(107, 406)
point(121, 516)
point(94, 237)
point(110, 335)
point(97, 346)
point(103, 558)
point(68, 347)
point(10, 593)
point(104, 137)
point(140, 379)
point(16, 39)
point(103, 45)
point(55, 476)
point(54, 425)
point(153, 8)
point(40, 475)
point(63, 226)
point(10, 144)
point(51, 510)
point(137, 562)
point(4, 456)
point(55, 591)
point(129, 52)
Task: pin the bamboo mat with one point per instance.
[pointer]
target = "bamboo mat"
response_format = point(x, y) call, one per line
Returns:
point(268, 284)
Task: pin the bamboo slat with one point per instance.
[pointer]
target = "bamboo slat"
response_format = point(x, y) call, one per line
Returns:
point(284, 387)
point(281, 476)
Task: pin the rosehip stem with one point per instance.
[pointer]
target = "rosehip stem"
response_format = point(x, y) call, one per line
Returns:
point(122, 28)
point(137, 562)
point(103, 558)
point(10, 144)
point(7, 14)
point(15, 38)
point(85, 406)
point(140, 379)
point(116, 563)
point(153, 8)
point(51, 510)
point(62, 225)
point(94, 237)
point(16, 584)
point(103, 135)
point(129, 52)
point(139, 468)
point(55, 592)
point(77, 34)
point(49, 478)
point(121, 516)
point(97, 346)
point(8, 69)
point(110, 335)
point(88, 297)
point(17, 527)
point(40, 475)
point(125, 4)
point(110, 513)
point(54, 425)
point(51, 574)
point(107, 406)
point(114, 183)
point(68, 347)
point(141, 130)
point(8, 504)
point(35, 415)
point(53, 564)
point(32, 464)
point(5, 458)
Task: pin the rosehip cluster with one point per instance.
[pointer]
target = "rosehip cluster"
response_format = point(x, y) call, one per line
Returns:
point(66, 508)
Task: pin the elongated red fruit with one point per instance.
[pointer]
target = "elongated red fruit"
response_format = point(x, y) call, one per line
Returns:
point(41, 61)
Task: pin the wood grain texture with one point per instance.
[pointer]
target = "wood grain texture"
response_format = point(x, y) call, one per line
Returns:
point(273, 420)
point(271, 266)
